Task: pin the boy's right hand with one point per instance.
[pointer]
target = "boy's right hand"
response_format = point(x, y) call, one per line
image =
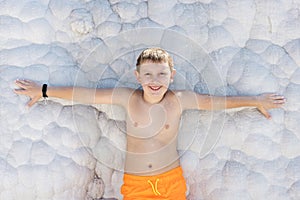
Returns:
point(31, 89)
point(268, 101)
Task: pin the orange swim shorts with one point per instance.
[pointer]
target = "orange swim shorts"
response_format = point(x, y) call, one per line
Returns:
point(168, 186)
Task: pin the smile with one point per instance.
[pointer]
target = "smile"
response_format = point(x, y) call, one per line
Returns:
point(155, 88)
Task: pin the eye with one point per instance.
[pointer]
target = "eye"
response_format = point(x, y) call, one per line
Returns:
point(162, 74)
point(147, 74)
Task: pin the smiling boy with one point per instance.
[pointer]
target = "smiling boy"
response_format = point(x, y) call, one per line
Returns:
point(152, 167)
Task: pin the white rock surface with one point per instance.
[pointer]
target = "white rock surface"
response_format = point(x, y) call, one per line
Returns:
point(59, 151)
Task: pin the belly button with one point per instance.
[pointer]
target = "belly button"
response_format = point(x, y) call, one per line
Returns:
point(150, 165)
point(167, 126)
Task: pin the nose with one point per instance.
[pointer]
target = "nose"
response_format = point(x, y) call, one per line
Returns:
point(154, 79)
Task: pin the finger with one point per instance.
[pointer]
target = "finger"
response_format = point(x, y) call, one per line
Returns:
point(32, 102)
point(18, 91)
point(275, 97)
point(27, 81)
point(273, 94)
point(280, 101)
point(21, 84)
point(18, 82)
point(265, 113)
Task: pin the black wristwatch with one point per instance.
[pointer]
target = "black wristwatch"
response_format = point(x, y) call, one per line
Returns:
point(44, 90)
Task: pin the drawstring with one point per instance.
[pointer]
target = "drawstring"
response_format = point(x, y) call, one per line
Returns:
point(154, 189)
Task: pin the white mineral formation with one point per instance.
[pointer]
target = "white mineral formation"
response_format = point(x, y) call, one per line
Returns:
point(66, 150)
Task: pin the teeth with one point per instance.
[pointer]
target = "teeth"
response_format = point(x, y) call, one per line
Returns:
point(155, 87)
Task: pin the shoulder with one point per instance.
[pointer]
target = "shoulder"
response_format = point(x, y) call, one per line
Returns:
point(182, 94)
point(121, 95)
point(123, 91)
point(136, 94)
point(174, 96)
point(130, 96)
point(187, 99)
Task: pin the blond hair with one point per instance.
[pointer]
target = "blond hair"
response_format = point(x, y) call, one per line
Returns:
point(156, 55)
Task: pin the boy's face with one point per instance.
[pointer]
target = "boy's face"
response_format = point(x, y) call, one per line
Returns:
point(155, 79)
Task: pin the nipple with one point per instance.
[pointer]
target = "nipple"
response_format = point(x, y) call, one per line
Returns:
point(135, 124)
point(167, 126)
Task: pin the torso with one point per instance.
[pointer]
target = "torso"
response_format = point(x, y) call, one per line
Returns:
point(152, 135)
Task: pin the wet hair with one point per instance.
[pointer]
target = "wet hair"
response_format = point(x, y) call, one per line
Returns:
point(155, 55)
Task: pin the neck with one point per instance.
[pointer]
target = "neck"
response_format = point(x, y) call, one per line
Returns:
point(153, 100)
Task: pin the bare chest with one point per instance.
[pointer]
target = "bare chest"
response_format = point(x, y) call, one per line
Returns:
point(153, 122)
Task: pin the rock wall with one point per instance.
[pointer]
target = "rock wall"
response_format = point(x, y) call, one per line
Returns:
point(64, 150)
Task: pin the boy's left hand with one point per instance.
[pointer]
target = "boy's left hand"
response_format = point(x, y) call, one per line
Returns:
point(268, 101)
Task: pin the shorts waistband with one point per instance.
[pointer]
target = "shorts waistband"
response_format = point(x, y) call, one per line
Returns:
point(171, 174)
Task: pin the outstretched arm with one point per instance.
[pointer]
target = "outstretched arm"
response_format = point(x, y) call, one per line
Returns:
point(78, 94)
point(263, 102)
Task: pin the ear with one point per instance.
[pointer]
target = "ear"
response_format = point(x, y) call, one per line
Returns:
point(173, 72)
point(137, 76)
